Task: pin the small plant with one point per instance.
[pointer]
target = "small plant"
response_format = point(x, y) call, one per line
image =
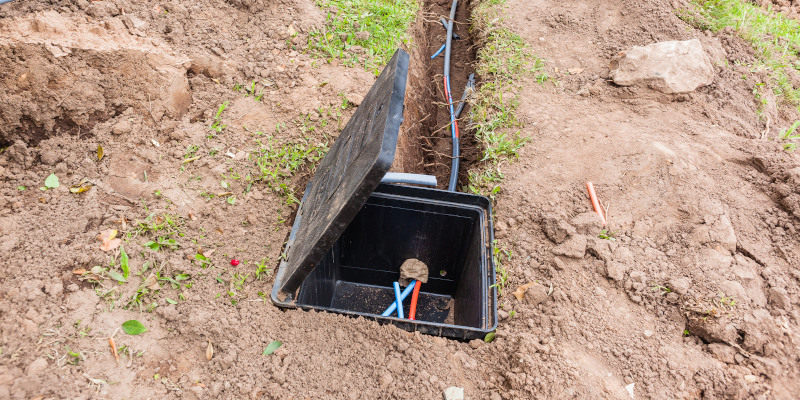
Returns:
point(73, 357)
point(789, 135)
point(726, 301)
point(51, 182)
point(162, 242)
point(277, 164)
point(660, 288)
point(686, 332)
point(217, 125)
point(607, 235)
point(498, 254)
point(261, 269)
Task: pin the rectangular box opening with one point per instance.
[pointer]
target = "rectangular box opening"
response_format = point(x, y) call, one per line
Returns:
point(356, 275)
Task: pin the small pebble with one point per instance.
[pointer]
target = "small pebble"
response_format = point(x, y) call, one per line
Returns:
point(648, 333)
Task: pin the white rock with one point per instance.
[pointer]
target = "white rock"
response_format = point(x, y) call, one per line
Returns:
point(629, 389)
point(669, 67)
point(454, 393)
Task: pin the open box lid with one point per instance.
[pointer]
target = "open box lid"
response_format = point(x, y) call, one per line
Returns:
point(347, 176)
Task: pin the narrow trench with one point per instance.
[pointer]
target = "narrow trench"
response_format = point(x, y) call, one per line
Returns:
point(425, 145)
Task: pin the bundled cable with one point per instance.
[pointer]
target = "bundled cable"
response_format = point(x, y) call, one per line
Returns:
point(453, 123)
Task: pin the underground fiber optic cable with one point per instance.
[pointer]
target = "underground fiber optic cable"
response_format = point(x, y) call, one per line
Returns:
point(441, 49)
point(412, 311)
point(468, 91)
point(393, 306)
point(453, 123)
point(398, 300)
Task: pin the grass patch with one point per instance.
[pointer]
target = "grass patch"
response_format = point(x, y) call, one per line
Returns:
point(774, 37)
point(363, 32)
point(503, 58)
point(277, 163)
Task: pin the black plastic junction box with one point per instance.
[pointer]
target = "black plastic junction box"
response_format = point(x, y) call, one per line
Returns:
point(352, 233)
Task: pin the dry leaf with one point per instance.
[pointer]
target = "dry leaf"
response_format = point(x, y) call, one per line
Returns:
point(79, 271)
point(80, 188)
point(209, 351)
point(219, 230)
point(192, 217)
point(290, 30)
point(99, 152)
point(151, 282)
point(111, 244)
point(223, 194)
point(520, 292)
point(107, 235)
point(208, 253)
point(575, 71)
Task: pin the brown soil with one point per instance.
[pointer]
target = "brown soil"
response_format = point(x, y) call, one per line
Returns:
point(700, 203)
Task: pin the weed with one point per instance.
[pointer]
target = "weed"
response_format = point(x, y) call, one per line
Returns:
point(502, 59)
point(278, 163)
point(686, 332)
point(74, 357)
point(363, 32)
point(202, 260)
point(261, 268)
point(500, 256)
point(726, 301)
point(607, 235)
point(217, 125)
point(165, 224)
point(789, 135)
point(774, 37)
point(162, 242)
point(660, 288)
point(250, 91)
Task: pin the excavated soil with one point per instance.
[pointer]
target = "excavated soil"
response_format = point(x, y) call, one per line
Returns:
point(696, 298)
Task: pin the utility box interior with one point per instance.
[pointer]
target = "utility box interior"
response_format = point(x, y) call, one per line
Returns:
point(348, 262)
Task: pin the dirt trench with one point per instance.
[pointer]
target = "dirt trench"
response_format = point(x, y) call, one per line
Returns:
point(425, 144)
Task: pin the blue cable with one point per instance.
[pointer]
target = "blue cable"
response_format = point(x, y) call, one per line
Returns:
point(398, 300)
point(441, 49)
point(403, 296)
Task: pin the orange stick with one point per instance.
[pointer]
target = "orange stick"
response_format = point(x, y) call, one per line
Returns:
point(113, 348)
point(412, 312)
point(595, 203)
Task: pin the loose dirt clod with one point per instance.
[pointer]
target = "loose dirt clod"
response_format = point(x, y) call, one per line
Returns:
point(412, 269)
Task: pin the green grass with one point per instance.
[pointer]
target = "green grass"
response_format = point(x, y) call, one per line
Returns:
point(386, 21)
point(790, 135)
point(278, 162)
point(503, 59)
point(774, 37)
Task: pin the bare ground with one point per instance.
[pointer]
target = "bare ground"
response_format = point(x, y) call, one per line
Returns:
point(699, 202)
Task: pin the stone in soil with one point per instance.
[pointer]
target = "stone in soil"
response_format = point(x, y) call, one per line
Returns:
point(454, 393)
point(669, 67)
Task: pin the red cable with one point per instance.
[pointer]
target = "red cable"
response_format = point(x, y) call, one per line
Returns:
point(414, 295)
